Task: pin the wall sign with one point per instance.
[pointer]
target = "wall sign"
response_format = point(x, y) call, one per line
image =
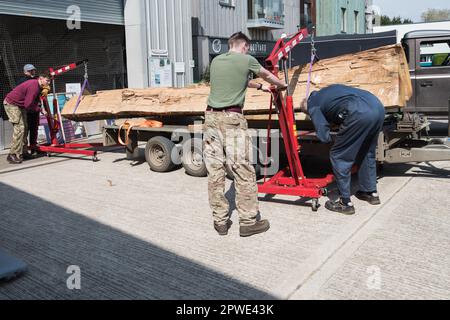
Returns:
point(160, 72)
point(257, 48)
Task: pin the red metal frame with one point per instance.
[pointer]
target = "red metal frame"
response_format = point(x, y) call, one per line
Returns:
point(292, 180)
point(55, 126)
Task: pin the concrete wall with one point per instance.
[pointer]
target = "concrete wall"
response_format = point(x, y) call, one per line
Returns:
point(6, 131)
point(136, 43)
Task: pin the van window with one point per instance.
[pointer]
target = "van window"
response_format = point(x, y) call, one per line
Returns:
point(434, 54)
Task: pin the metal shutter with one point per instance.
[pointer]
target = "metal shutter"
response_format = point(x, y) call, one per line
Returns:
point(102, 11)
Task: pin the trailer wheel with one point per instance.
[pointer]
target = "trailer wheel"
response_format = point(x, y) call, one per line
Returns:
point(158, 154)
point(192, 158)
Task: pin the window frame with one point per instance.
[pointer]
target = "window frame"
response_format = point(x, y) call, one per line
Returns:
point(343, 20)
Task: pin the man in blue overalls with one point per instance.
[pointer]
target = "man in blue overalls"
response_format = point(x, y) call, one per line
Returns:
point(360, 116)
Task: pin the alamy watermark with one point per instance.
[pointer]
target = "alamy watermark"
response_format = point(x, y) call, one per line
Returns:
point(240, 146)
point(73, 21)
point(73, 282)
point(374, 280)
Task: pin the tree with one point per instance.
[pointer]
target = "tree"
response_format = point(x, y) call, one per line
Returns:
point(386, 21)
point(436, 15)
point(396, 20)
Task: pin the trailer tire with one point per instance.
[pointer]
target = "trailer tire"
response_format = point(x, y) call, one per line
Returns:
point(158, 154)
point(192, 158)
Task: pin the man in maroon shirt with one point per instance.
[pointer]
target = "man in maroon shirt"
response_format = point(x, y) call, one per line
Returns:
point(29, 73)
point(23, 98)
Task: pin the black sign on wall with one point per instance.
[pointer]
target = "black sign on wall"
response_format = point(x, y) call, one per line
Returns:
point(257, 48)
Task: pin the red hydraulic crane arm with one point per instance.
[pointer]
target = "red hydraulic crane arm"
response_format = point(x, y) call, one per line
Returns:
point(285, 106)
point(65, 69)
point(282, 49)
point(291, 180)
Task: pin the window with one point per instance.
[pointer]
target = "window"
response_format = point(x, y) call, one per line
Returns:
point(227, 3)
point(356, 22)
point(306, 17)
point(270, 12)
point(435, 54)
point(343, 20)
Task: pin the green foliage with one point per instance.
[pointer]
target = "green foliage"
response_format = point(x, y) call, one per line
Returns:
point(387, 21)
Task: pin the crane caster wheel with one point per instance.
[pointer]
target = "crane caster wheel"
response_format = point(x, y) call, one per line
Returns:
point(95, 159)
point(315, 205)
point(324, 192)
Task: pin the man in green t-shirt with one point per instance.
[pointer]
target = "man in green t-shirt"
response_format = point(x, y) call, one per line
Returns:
point(226, 138)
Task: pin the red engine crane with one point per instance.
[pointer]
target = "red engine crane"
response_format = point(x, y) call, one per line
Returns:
point(291, 180)
point(55, 122)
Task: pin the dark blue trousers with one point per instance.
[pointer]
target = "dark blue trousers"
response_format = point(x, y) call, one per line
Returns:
point(356, 143)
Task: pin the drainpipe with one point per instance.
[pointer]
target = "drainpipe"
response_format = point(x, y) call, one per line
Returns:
point(182, 43)
point(174, 75)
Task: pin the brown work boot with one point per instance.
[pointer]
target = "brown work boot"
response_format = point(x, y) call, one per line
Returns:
point(222, 230)
point(13, 159)
point(258, 227)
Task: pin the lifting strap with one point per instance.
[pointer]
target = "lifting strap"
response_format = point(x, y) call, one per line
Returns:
point(129, 125)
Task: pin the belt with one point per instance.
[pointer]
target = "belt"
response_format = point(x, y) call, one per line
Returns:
point(237, 109)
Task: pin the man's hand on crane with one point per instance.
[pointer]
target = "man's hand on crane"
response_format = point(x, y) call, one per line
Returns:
point(45, 91)
point(278, 88)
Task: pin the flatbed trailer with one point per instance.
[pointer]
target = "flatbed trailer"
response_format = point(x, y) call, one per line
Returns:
point(179, 142)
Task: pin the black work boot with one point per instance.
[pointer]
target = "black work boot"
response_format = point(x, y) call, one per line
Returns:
point(222, 230)
point(27, 156)
point(371, 197)
point(13, 159)
point(258, 227)
point(340, 207)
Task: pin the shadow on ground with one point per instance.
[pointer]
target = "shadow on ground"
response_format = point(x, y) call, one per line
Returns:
point(424, 170)
point(114, 264)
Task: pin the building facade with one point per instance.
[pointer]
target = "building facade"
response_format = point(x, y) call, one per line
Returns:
point(340, 17)
point(264, 21)
point(174, 41)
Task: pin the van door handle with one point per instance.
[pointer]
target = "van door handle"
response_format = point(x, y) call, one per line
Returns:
point(426, 84)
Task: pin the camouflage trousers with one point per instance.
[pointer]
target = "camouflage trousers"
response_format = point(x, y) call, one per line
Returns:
point(18, 117)
point(227, 142)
